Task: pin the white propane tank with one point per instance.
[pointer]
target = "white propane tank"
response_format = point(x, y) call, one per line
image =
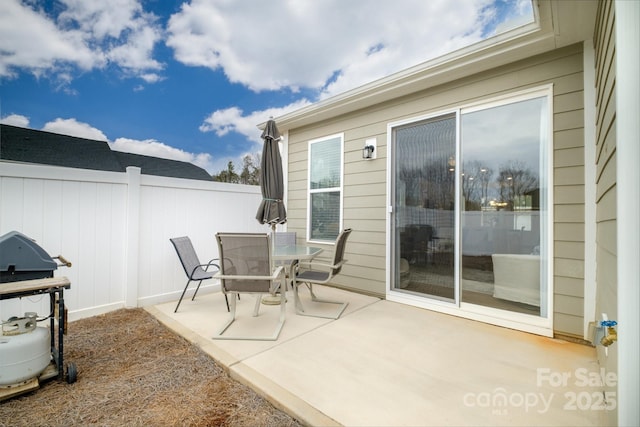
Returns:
point(24, 350)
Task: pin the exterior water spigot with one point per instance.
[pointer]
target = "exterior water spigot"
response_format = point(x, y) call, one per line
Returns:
point(612, 334)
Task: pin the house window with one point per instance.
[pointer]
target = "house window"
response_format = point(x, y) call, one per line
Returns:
point(325, 188)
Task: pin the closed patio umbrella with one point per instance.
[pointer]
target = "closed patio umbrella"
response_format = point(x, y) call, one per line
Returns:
point(271, 210)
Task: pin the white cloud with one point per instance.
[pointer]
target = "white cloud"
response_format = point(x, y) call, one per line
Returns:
point(98, 19)
point(29, 39)
point(233, 120)
point(85, 35)
point(153, 148)
point(274, 45)
point(15, 120)
point(74, 128)
point(329, 47)
point(517, 16)
point(147, 147)
point(135, 55)
point(149, 78)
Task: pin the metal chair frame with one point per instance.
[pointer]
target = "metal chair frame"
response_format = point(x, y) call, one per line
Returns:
point(310, 277)
point(277, 281)
point(192, 266)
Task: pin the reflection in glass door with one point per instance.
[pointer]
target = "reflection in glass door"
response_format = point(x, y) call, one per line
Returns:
point(504, 206)
point(424, 207)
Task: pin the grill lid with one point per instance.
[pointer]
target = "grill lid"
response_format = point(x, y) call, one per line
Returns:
point(22, 256)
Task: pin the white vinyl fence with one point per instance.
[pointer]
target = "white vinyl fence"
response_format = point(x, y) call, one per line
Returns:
point(114, 228)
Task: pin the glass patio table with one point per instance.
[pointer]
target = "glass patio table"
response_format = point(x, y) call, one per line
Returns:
point(295, 252)
point(289, 255)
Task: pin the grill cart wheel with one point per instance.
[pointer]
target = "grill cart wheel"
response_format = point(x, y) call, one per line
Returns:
point(72, 373)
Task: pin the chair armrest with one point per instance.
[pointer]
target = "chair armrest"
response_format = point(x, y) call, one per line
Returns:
point(276, 273)
point(279, 271)
point(205, 267)
point(311, 264)
point(210, 263)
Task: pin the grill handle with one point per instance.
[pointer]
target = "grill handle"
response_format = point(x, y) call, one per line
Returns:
point(64, 262)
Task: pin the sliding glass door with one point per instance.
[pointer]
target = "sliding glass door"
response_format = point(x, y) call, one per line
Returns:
point(424, 209)
point(471, 206)
point(504, 205)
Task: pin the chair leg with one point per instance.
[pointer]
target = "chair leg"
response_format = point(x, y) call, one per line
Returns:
point(257, 306)
point(315, 298)
point(232, 317)
point(283, 309)
point(196, 292)
point(296, 298)
point(182, 296)
point(226, 299)
point(225, 296)
point(300, 308)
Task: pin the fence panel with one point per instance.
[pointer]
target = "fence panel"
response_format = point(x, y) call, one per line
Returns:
point(121, 256)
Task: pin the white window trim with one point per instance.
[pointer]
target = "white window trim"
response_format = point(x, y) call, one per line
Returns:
point(523, 322)
point(311, 191)
point(509, 98)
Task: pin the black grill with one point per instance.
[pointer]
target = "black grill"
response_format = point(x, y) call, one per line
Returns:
point(21, 258)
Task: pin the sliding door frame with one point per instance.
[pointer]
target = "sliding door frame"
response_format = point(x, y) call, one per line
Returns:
point(534, 324)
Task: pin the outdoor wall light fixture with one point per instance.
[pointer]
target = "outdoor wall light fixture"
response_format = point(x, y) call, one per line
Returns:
point(369, 150)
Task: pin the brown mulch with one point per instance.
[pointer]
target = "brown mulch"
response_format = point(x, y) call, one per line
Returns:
point(133, 371)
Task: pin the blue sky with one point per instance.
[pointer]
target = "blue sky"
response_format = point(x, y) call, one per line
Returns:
point(191, 80)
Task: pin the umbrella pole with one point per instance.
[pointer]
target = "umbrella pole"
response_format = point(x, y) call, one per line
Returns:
point(272, 299)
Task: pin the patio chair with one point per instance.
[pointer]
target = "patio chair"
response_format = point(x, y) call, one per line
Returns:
point(246, 267)
point(311, 275)
point(193, 268)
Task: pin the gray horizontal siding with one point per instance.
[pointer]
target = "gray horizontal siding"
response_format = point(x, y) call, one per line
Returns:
point(365, 181)
point(606, 194)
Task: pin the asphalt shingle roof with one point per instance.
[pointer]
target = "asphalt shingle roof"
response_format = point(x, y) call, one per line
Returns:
point(35, 146)
point(162, 167)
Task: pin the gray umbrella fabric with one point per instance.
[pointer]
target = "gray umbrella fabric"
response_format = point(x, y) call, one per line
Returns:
point(271, 210)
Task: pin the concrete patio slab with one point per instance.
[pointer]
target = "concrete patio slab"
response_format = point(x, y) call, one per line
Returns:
point(388, 364)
